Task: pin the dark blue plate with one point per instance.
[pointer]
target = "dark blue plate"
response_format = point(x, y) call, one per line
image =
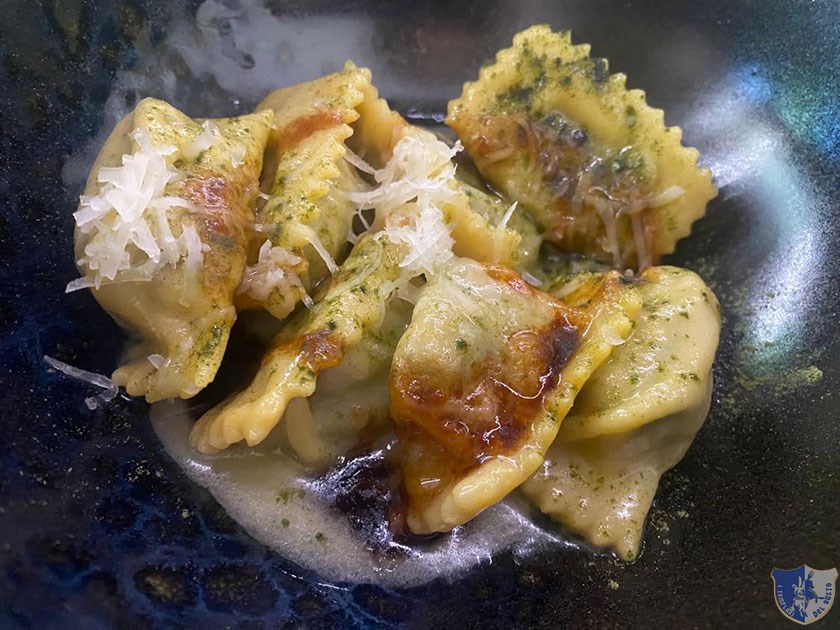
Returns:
point(100, 528)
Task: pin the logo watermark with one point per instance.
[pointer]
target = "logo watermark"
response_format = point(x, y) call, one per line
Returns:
point(804, 595)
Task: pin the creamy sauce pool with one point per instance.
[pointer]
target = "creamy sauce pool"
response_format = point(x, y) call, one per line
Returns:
point(285, 507)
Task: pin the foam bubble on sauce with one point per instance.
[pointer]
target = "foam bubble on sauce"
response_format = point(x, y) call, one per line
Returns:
point(271, 496)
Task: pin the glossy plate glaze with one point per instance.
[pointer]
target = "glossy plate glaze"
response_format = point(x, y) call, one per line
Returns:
point(100, 528)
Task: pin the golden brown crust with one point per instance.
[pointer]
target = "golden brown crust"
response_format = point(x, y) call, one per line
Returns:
point(498, 397)
point(454, 426)
point(549, 127)
point(182, 317)
point(301, 128)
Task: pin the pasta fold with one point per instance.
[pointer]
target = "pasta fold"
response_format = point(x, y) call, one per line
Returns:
point(482, 379)
point(165, 217)
point(636, 416)
point(549, 127)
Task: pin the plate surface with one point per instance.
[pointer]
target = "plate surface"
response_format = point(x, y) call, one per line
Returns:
point(99, 527)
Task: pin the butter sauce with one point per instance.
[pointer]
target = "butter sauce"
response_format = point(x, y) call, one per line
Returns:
point(284, 506)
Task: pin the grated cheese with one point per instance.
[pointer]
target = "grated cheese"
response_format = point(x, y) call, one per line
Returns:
point(419, 170)
point(668, 195)
point(609, 210)
point(359, 214)
point(609, 216)
point(129, 220)
point(503, 223)
point(531, 279)
point(312, 238)
point(205, 140)
point(81, 283)
point(427, 236)
point(99, 380)
point(158, 360)
point(499, 232)
point(420, 173)
point(633, 210)
point(275, 269)
point(359, 163)
point(237, 156)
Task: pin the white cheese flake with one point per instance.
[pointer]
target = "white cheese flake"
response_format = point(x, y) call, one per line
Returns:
point(502, 225)
point(499, 232)
point(531, 279)
point(158, 360)
point(420, 170)
point(275, 269)
point(427, 236)
point(359, 163)
point(99, 380)
point(237, 156)
point(312, 238)
point(206, 139)
point(672, 193)
point(131, 236)
point(418, 180)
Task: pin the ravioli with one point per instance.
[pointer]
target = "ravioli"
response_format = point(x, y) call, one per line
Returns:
point(350, 311)
point(308, 214)
point(353, 302)
point(487, 229)
point(420, 170)
point(636, 416)
point(549, 127)
point(351, 402)
point(482, 379)
point(428, 378)
point(161, 239)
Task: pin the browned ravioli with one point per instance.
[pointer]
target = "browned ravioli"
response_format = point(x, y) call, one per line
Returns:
point(549, 127)
point(161, 238)
point(482, 379)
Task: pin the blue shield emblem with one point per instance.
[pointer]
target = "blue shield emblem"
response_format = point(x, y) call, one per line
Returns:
point(804, 595)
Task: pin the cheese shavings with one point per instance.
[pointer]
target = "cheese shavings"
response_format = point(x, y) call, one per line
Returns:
point(531, 279)
point(276, 268)
point(427, 236)
point(420, 170)
point(209, 133)
point(359, 163)
point(500, 232)
point(609, 210)
point(129, 220)
point(99, 380)
point(312, 238)
point(419, 175)
point(158, 361)
point(237, 156)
